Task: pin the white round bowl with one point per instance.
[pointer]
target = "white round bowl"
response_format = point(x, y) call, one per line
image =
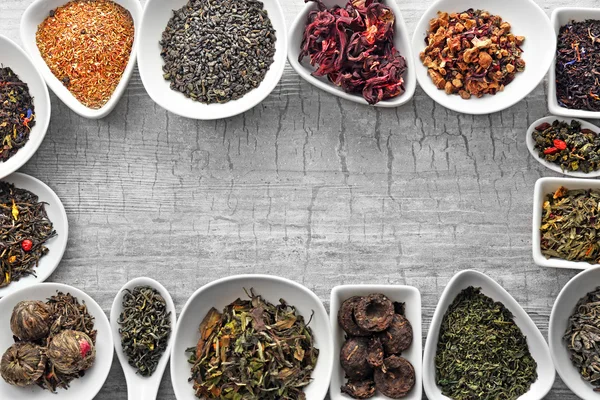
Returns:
point(84, 388)
point(138, 386)
point(223, 292)
point(531, 146)
point(537, 345)
point(155, 19)
point(401, 42)
point(12, 56)
point(35, 14)
point(527, 19)
point(580, 285)
point(56, 245)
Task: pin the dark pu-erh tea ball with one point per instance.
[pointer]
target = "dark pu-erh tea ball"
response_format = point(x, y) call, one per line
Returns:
point(374, 312)
point(30, 320)
point(71, 352)
point(354, 358)
point(22, 364)
point(398, 337)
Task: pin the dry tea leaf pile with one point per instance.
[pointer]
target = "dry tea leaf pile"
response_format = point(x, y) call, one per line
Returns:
point(87, 44)
point(481, 352)
point(54, 343)
point(570, 224)
point(24, 231)
point(253, 350)
point(472, 53)
point(17, 113)
point(377, 334)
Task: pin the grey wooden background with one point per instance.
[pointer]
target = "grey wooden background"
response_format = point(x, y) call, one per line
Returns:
point(305, 186)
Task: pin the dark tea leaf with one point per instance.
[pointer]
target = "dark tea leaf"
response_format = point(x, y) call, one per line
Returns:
point(481, 353)
point(145, 327)
point(253, 350)
point(24, 231)
point(582, 335)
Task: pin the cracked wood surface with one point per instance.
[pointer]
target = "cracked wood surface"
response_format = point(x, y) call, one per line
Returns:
point(305, 186)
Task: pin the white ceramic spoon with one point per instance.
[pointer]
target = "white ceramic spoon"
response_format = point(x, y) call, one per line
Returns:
point(139, 387)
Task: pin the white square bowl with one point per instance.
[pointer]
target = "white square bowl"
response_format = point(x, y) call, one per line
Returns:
point(537, 345)
point(527, 19)
point(35, 14)
point(545, 186)
point(401, 42)
point(560, 17)
point(397, 293)
point(157, 14)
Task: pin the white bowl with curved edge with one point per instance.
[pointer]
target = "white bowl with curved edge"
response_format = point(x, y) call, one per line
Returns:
point(527, 19)
point(35, 14)
point(543, 187)
point(305, 70)
point(140, 387)
point(537, 345)
point(56, 245)
point(397, 293)
point(564, 306)
point(11, 55)
point(156, 16)
point(223, 292)
point(560, 17)
point(531, 146)
point(84, 388)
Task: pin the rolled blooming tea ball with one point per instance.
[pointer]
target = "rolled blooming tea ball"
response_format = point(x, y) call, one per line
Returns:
point(22, 364)
point(71, 352)
point(30, 320)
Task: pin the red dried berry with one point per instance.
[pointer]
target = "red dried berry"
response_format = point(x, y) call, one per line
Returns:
point(26, 244)
point(551, 150)
point(559, 144)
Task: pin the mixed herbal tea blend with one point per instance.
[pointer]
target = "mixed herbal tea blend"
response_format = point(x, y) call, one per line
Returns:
point(472, 53)
point(24, 231)
point(582, 333)
point(567, 145)
point(481, 352)
point(54, 343)
point(145, 327)
point(377, 333)
point(354, 47)
point(253, 350)
point(17, 113)
point(569, 225)
point(218, 50)
point(87, 45)
point(577, 61)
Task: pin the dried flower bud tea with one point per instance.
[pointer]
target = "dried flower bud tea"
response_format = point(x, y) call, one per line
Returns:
point(359, 389)
point(472, 53)
point(278, 364)
point(374, 313)
point(398, 337)
point(396, 378)
point(145, 327)
point(569, 224)
point(354, 47)
point(577, 60)
point(568, 146)
point(218, 51)
point(22, 217)
point(23, 364)
point(354, 358)
point(346, 318)
point(581, 337)
point(466, 370)
point(71, 352)
point(31, 320)
point(87, 44)
point(17, 113)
